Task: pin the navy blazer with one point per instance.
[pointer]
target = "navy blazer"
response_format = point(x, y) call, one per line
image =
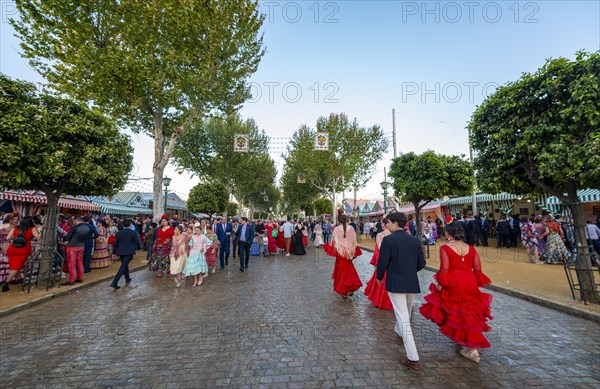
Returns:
point(222, 234)
point(249, 232)
point(401, 256)
point(126, 242)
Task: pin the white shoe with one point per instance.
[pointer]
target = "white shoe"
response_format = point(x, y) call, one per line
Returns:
point(287, 255)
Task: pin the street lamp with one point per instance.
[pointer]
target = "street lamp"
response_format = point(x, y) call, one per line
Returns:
point(166, 183)
point(385, 185)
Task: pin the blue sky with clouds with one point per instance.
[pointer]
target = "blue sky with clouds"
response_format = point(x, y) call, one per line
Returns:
point(433, 62)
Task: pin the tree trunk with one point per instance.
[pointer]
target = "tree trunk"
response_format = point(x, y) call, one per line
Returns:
point(158, 208)
point(48, 243)
point(584, 269)
point(418, 220)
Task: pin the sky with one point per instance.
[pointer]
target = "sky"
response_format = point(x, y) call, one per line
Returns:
point(433, 62)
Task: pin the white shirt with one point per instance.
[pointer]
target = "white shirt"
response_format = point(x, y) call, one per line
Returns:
point(592, 231)
point(288, 230)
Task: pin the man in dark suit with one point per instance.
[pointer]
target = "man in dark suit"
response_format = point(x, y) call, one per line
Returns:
point(224, 231)
point(503, 233)
point(485, 230)
point(462, 221)
point(401, 256)
point(126, 242)
point(245, 236)
point(89, 245)
point(477, 230)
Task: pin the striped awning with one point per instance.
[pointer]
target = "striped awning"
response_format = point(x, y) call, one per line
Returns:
point(116, 209)
point(63, 202)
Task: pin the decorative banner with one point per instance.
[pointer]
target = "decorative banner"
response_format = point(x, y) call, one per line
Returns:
point(241, 143)
point(321, 141)
point(301, 179)
point(266, 198)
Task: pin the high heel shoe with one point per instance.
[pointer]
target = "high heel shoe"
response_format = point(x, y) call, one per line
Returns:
point(471, 355)
point(5, 287)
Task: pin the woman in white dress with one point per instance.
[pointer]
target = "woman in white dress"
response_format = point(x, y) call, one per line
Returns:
point(318, 235)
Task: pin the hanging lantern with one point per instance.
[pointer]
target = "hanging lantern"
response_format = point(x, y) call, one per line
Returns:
point(321, 141)
point(241, 143)
point(266, 198)
point(263, 191)
point(301, 179)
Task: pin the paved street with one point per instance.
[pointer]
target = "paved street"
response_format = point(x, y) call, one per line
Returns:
point(277, 325)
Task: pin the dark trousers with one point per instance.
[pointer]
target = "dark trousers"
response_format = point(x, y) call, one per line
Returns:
point(515, 238)
point(484, 238)
point(503, 240)
point(479, 238)
point(149, 251)
point(87, 257)
point(235, 247)
point(244, 253)
point(123, 270)
point(224, 253)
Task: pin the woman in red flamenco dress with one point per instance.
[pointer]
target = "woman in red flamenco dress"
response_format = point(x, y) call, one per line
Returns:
point(344, 248)
point(456, 304)
point(375, 292)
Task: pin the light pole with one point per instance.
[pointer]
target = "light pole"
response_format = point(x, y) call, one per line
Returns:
point(166, 183)
point(385, 185)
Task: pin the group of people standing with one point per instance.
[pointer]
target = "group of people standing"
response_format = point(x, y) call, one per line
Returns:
point(455, 302)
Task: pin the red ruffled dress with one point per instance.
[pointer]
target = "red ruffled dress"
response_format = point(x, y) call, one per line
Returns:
point(345, 277)
point(17, 256)
point(377, 293)
point(460, 309)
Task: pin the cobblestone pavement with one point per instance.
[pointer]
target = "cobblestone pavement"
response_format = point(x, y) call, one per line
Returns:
point(277, 325)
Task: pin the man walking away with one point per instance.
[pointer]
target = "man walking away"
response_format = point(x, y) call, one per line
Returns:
point(401, 256)
point(485, 230)
point(126, 242)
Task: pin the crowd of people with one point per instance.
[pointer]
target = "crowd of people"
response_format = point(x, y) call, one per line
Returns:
point(194, 248)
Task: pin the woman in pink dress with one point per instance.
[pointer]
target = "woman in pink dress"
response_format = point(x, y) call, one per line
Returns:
point(375, 292)
point(344, 248)
point(101, 257)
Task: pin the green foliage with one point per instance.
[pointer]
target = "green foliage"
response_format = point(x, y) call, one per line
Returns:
point(208, 198)
point(421, 178)
point(206, 150)
point(156, 67)
point(542, 132)
point(231, 208)
point(323, 206)
point(429, 176)
point(135, 58)
point(353, 154)
point(58, 146)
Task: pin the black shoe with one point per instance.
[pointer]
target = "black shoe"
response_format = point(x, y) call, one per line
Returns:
point(128, 281)
point(115, 286)
point(67, 283)
point(87, 271)
point(5, 287)
point(78, 280)
point(242, 269)
point(245, 267)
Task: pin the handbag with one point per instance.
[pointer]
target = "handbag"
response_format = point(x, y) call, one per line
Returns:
point(274, 233)
point(19, 241)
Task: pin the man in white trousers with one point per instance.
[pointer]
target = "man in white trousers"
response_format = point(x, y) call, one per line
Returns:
point(401, 256)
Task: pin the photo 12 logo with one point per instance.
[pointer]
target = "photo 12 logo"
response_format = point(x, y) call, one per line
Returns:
point(8, 10)
point(469, 11)
point(449, 92)
point(292, 92)
point(295, 11)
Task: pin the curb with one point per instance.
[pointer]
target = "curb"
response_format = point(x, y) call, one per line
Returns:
point(28, 304)
point(574, 311)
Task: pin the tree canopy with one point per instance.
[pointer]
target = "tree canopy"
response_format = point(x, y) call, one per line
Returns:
point(210, 198)
point(541, 133)
point(350, 161)
point(206, 150)
point(58, 146)
point(422, 178)
point(157, 68)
